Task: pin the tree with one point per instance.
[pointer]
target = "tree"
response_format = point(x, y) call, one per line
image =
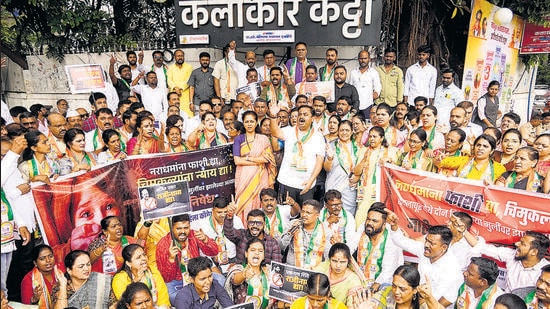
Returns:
point(57, 27)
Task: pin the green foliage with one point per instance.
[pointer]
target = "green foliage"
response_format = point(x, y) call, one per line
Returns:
point(534, 11)
point(543, 73)
point(57, 27)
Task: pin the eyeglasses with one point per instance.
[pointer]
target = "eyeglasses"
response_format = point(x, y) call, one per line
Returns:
point(256, 223)
point(217, 104)
point(84, 115)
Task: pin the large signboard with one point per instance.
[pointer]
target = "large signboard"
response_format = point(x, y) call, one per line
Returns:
point(341, 22)
point(492, 53)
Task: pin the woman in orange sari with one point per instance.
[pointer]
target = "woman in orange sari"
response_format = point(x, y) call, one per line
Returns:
point(256, 167)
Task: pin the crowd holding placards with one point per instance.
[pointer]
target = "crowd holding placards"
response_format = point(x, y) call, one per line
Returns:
point(305, 187)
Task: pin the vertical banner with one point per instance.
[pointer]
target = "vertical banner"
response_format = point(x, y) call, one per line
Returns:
point(500, 215)
point(70, 210)
point(491, 53)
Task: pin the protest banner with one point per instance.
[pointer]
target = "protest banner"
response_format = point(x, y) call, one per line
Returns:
point(164, 200)
point(313, 89)
point(85, 78)
point(70, 210)
point(500, 215)
point(253, 90)
point(287, 283)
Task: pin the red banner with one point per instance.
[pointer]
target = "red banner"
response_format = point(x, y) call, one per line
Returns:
point(536, 39)
point(70, 210)
point(500, 215)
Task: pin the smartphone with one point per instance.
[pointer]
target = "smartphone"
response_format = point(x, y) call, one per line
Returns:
point(157, 124)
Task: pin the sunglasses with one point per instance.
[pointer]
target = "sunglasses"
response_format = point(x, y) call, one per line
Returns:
point(256, 223)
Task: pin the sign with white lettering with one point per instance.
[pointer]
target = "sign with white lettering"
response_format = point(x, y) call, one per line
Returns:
point(355, 22)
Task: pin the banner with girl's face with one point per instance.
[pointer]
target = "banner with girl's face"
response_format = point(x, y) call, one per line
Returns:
point(70, 210)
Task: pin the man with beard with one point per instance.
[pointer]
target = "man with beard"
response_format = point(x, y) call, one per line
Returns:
point(201, 82)
point(122, 84)
point(326, 72)
point(135, 61)
point(341, 88)
point(479, 289)
point(311, 77)
point(435, 261)
point(277, 217)
point(391, 79)
point(540, 297)
point(343, 108)
point(74, 120)
point(255, 222)
point(58, 127)
point(176, 248)
point(379, 262)
point(129, 118)
point(104, 120)
point(153, 96)
point(213, 228)
point(401, 109)
point(523, 263)
point(304, 153)
point(307, 239)
point(457, 118)
point(281, 90)
point(178, 76)
point(160, 69)
point(367, 82)
point(98, 100)
point(447, 96)
point(421, 77)
point(339, 221)
point(320, 115)
point(28, 121)
point(41, 114)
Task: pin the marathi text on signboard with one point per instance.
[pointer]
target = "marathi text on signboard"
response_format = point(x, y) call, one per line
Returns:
point(341, 22)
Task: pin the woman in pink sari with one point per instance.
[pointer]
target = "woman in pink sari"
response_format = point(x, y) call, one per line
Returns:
point(256, 167)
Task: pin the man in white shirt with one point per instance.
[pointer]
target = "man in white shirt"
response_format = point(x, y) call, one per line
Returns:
point(367, 82)
point(471, 128)
point(479, 289)
point(436, 262)
point(153, 96)
point(380, 262)
point(447, 96)
point(212, 226)
point(226, 74)
point(459, 223)
point(524, 263)
point(277, 216)
point(421, 77)
point(304, 154)
point(338, 220)
point(161, 69)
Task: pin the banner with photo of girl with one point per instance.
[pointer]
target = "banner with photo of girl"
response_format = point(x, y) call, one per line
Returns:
point(70, 210)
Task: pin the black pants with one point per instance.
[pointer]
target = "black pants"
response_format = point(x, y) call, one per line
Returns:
point(294, 193)
point(21, 264)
